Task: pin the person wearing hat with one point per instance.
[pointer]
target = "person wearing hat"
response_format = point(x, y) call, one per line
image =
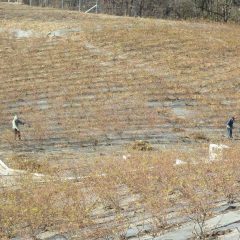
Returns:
point(15, 124)
point(230, 126)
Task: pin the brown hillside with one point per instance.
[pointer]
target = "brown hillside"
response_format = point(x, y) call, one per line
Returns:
point(110, 80)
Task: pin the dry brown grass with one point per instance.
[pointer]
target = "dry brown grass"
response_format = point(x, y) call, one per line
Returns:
point(95, 87)
point(144, 189)
point(29, 163)
point(98, 82)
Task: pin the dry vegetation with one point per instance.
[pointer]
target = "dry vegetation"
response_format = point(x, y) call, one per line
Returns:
point(146, 189)
point(118, 79)
point(114, 81)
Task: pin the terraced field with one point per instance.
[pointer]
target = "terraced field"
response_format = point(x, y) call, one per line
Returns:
point(84, 80)
point(88, 85)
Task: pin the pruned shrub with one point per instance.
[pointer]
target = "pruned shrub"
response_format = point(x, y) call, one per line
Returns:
point(141, 146)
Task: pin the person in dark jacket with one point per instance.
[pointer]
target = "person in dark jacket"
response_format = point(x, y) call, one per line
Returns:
point(15, 127)
point(230, 126)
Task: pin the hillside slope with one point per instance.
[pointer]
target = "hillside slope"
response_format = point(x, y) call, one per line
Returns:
point(82, 79)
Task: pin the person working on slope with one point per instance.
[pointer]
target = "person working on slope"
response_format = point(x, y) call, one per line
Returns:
point(15, 123)
point(230, 126)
